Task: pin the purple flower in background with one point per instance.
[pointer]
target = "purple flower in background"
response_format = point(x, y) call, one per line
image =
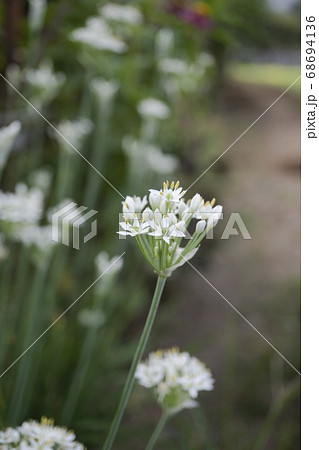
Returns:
point(198, 14)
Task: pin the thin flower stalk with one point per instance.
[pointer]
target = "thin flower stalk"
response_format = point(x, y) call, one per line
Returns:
point(18, 402)
point(137, 358)
point(104, 92)
point(105, 287)
point(157, 431)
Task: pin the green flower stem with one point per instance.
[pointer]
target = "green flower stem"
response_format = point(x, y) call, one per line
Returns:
point(79, 377)
point(137, 357)
point(99, 154)
point(158, 429)
point(18, 404)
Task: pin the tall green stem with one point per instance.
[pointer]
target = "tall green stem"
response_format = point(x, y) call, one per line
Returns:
point(158, 429)
point(137, 357)
point(18, 403)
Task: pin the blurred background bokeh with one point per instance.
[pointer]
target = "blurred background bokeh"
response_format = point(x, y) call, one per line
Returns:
point(156, 90)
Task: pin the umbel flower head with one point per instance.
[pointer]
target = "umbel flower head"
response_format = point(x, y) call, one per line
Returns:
point(160, 222)
point(175, 377)
point(33, 435)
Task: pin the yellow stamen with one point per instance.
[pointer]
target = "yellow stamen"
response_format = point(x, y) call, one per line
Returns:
point(176, 184)
point(213, 202)
point(172, 185)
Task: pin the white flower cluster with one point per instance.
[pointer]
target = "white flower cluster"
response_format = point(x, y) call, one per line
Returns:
point(20, 213)
point(150, 156)
point(108, 265)
point(104, 90)
point(37, 9)
point(160, 227)
point(75, 131)
point(182, 75)
point(175, 377)
point(22, 206)
point(99, 35)
point(107, 269)
point(44, 83)
point(36, 236)
point(121, 13)
point(33, 435)
point(152, 107)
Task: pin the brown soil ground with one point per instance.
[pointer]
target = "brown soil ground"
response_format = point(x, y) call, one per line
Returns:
point(258, 276)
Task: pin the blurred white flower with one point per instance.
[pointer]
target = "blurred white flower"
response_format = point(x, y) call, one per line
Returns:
point(104, 90)
point(99, 35)
point(164, 42)
point(175, 377)
point(44, 82)
point(152, 107)
point(160, 227)
point(173, 66)
point(182, 75)
point(33, 435)
point(41, 179)
point(22, 206)
point(104, 262)
point(9, 436)
point(109, 267)
point(37, 237)
point(205, 60)
point(147, 156)
point(75, 131)
point(160, 162)
point(8, 135)
point(91, 318)
point(14, 74)
point(121, 13)
point(37, 9)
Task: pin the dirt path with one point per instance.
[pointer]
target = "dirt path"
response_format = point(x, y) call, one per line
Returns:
point(258, 276)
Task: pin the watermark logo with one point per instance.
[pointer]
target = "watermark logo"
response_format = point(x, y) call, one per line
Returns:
point(158, 224)
point(68, 223)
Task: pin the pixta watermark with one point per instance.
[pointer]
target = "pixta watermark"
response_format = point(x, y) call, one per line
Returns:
point(69, 225)
point(158, 225)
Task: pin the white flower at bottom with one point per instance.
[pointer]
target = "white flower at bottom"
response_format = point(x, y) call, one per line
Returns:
point(33, 435)
point(9, 436)
point(175, 377)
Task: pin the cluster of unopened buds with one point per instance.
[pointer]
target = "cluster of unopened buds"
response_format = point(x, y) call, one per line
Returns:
point(160, 223)
point(175, 377)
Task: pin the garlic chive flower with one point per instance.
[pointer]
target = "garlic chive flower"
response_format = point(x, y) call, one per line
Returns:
point(121, 13)
point(160, 224)
point(99, 35)
point(152, 107)
point(175, 378)
point(74, 131)
point(36, 436)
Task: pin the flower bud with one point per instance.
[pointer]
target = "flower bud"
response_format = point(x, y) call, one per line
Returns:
point(155, 200)
point(200, 226)
point(195, 202)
